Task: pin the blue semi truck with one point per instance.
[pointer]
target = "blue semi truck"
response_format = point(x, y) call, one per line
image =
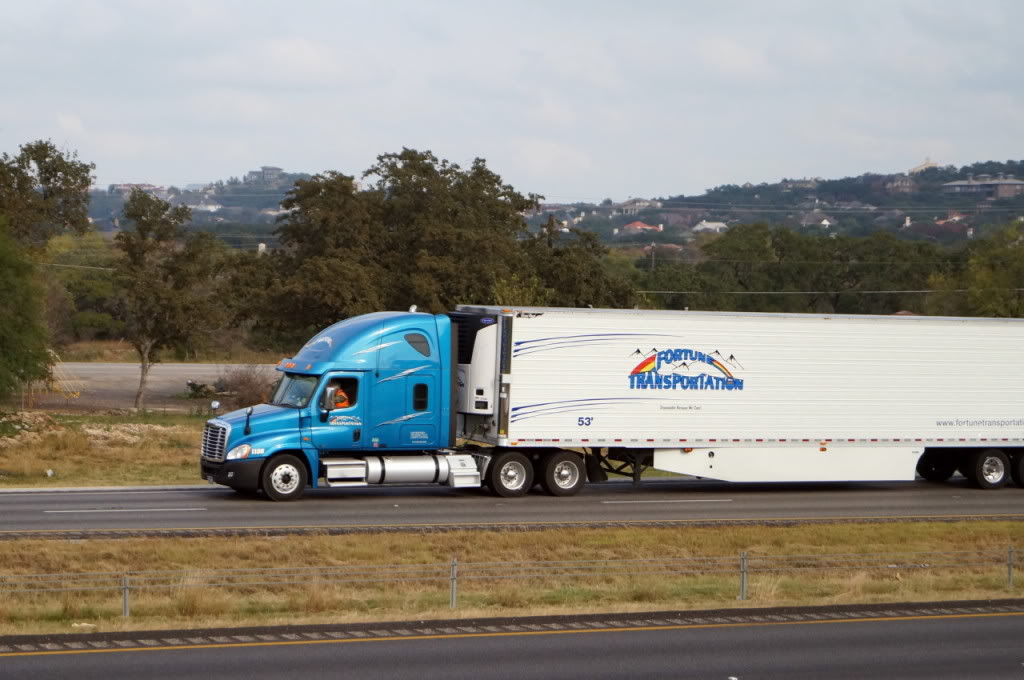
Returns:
point(510, 398)
point(404, 375)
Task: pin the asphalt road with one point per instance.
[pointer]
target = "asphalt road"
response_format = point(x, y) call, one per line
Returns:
point(113, 385)
point(954, 647)
point(208, 507)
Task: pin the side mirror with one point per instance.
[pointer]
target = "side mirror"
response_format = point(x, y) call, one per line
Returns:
point(214, 405)
point(327, 400)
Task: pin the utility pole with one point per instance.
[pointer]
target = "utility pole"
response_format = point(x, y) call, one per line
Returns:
point(652, 255)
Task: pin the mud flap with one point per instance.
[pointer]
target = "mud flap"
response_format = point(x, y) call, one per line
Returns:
point(595, 473)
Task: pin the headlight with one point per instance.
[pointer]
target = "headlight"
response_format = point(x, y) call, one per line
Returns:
point(239, 452)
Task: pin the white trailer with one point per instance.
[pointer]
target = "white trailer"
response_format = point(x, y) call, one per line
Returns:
point(745, 397)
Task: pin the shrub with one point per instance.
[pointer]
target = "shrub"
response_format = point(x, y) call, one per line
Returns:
point(243, 386)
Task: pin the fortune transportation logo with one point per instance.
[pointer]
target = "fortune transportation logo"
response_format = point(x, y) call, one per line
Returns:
point(684, 369)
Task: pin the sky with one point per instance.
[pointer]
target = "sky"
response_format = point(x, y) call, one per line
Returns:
point(577, 101)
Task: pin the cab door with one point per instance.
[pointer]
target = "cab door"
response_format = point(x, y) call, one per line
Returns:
point(405, 413)
point(339, 429)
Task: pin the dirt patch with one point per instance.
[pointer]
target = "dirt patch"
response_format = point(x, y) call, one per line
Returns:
point(38, 449)
point(25, 427)
point(129, 433)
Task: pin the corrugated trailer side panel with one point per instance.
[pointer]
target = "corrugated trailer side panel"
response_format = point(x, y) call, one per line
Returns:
point(660, 379)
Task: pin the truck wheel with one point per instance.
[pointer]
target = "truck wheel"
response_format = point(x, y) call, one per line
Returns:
point(1017, 469)
point(284, 478)
point(988, 469)
point(562, 473)
point(510, 474)
point(936, 466)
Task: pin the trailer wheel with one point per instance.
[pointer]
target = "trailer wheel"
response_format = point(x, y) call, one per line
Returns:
point(988, 469)
point(510, 474)
point(284, 478)
point(1017, 468)
point(936, 466)
point(562, 473)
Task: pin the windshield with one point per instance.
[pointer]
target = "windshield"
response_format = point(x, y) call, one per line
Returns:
point(294, 390)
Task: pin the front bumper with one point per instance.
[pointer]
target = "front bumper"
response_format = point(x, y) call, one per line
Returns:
point(238, 474)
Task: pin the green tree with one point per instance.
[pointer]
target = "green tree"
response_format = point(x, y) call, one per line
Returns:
point(574, 270)
point(166, 288)
point(448, 235)
point(43, 192)
point(329, 267)
point(85, 268)
point(990, 280)
point(23, 352)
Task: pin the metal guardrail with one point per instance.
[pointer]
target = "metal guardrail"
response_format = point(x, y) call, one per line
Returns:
point(454, 572)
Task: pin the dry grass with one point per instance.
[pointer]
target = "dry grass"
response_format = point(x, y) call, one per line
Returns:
point(313, 602)
point(119, 351)
point(41, 450)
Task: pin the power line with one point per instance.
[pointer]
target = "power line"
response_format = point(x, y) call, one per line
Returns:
point(75, 266)
point(821, 292)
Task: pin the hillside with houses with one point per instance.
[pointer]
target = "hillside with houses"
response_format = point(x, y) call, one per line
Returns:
point(942, 204)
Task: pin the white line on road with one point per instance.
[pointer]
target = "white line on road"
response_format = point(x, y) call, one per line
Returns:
point(700, 500)
point(132, 510)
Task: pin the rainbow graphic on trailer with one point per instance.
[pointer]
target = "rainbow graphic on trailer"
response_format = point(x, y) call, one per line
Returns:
point(675, 369)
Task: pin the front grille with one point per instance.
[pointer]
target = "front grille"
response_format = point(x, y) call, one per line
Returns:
point(215, 437)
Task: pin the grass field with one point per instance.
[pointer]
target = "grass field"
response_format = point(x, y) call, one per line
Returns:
point(114, 449)
point(119, 351)
point(312, 602)
point(38, 449)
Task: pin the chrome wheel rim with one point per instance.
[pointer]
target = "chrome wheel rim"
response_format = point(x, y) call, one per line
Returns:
point(285, 478)
point(512, 475)
point(566, 475)
point(993, 470)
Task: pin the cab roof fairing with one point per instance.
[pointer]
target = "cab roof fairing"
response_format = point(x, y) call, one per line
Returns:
point(352, 344)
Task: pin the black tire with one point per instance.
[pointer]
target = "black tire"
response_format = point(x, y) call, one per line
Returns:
point(284, 478)
point(988, 469)
point(936, 466)
point(562, 473)
point(510, 474)
point(1017, 469)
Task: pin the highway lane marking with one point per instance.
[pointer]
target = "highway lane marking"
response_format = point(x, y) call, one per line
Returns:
point(695, 500)
point(582, 523)
point(527, 633)
point(127, 510)
point(76, 492)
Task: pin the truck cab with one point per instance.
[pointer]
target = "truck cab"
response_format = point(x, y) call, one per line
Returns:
point(353, 407)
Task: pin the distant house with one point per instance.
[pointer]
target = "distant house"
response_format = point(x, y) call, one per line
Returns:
point(817, 218)
point(267, 174)
point(986, 186)
point(639, 227)
point(805, 183)
point(207, 205)
point(635, 205)
point(900, 184)
point(713, 227)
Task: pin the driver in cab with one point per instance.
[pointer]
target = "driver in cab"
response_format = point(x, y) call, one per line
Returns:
point(341, 398)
